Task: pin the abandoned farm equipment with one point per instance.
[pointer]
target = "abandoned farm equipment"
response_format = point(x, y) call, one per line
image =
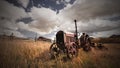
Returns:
point(65, 43)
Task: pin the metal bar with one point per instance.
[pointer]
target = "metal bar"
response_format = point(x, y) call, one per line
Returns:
point(76, 35)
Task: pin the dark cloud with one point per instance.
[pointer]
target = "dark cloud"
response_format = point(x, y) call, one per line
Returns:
point(107, 33)
point(114, 18)
point(55, 5)
point(93, 16)
point(87, 9)
point(91, 26)
point(25, 20)
point(98, 25)
point(15, 2)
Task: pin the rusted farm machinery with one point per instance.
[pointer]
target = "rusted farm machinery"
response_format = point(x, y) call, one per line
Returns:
point(65, 43)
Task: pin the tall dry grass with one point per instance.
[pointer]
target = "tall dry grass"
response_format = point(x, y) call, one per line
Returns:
point(31, 54)
point(21, 53)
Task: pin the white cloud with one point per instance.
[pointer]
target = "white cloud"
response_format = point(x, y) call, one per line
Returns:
point(44, 19)
point(10, 11)
point(67, 0)
point(24, 2)
point(57, 2)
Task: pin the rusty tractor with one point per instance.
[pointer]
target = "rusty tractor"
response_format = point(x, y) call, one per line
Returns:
point(65, 43)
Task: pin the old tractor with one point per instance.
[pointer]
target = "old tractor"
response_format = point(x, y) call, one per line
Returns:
point(65, 43)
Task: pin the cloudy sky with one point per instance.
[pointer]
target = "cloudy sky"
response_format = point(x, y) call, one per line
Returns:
point(28, 18)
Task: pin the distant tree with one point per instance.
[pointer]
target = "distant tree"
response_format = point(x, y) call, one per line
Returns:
point(11, 36)
point(114, 36)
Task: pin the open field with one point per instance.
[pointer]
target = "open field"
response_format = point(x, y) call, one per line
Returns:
point(30, 54)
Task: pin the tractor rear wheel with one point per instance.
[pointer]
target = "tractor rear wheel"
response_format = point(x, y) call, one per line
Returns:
point(71, 53)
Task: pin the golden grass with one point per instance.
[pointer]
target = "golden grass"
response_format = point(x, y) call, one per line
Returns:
point(30, 54)
point(20, 53)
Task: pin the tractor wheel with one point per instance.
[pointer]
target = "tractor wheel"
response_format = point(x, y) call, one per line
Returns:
point(76, 51)
point(87, 47)
point(54, 51)
point(72, 53)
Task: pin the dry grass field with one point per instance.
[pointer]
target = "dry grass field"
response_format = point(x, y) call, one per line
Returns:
point(31, 54)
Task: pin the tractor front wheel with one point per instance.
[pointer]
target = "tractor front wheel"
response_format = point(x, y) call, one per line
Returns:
point(54, 51)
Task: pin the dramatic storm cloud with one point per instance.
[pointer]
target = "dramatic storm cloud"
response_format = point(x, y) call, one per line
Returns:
point(8, 15)
point(93, 16)
point(87, 9)
point(25, 18)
